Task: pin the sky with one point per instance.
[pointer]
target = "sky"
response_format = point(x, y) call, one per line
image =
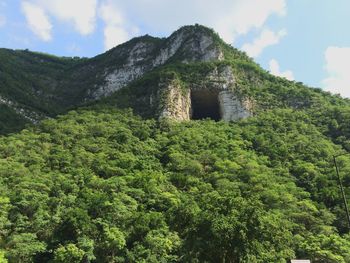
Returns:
point(303, 40)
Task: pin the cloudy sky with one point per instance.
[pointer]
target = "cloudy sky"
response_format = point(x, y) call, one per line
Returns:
point(302, 40)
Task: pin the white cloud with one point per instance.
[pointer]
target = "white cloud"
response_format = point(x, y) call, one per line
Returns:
point(266, 38)
point(275, 70)
point(73, 48)
point(244, 15)
point(2, 20)
point(37, 20)
point(81, 13)
point(114, 35)
point(338, 69)
point(230, 18)
point(110, 13)
point(116, 29)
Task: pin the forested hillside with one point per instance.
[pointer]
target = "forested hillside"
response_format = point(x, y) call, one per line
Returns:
point(35, 86)
point(103, 185)
point(27, 87)
point(113, 180)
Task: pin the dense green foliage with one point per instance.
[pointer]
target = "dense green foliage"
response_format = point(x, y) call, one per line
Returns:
point(106, 186)
point(28, 81)
point(10, 120)
point(29, 78)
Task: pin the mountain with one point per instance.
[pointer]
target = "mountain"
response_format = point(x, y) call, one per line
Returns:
point(180, 149)
point(145, 74)
point(35, 85)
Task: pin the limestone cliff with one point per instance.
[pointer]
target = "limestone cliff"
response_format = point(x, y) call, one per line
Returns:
point(213, 97)
point(192, 93)
point(186, 45)
point(192, 74)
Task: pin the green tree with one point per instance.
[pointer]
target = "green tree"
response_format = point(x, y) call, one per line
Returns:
point(68, 253)
point(23, 247)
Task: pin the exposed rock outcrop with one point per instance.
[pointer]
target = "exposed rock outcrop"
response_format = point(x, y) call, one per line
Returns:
point(232, 108)
point(36, 86)
point(186, 45)
point(217, 88)
point(175, 102)
point(31, 116)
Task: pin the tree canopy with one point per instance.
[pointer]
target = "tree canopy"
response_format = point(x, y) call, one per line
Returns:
point(104, 185)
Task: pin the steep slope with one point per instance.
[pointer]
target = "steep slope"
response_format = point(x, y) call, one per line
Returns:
point(154, 76)
point(37, 85)
point(167, 90)
point(27, 84)
point(107, 186)
point(102, 184)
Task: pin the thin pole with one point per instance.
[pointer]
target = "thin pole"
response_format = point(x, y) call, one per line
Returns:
point(342, 190)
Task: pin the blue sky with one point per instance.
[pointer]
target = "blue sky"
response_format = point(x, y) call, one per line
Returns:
point(304, 40)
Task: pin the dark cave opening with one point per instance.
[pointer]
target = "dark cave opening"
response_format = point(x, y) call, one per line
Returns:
point(205, 104)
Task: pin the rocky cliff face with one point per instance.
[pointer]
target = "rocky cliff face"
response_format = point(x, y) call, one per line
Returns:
point(175, 103)
point(233, 108)
point(189, 45)
point(31, 116)
point(37, 85)
point(186, 45)
point(216, 92)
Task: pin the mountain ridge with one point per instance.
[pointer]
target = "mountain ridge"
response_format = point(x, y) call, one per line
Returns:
point(34, 86)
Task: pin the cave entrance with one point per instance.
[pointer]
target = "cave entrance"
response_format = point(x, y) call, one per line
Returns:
point(205, 104)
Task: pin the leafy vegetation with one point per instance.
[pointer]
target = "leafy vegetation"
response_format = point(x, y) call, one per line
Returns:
point(28, 80)
point(103, 185)
point(10, 120)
